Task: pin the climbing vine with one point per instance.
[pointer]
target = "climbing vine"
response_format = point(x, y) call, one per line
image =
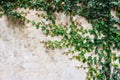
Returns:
point(105, 29)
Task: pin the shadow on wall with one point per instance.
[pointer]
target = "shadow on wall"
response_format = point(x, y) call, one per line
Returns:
point(17, 22)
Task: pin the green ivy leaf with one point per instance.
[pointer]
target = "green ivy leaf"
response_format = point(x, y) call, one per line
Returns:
point(47, 32)
point(57, 1)
point(43, 28)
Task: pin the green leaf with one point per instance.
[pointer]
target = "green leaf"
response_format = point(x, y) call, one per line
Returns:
point(57, 1)
point(37, 26)
point(43, 28)
point(47, 32)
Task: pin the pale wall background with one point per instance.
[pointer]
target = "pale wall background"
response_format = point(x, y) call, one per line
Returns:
point(23, 57)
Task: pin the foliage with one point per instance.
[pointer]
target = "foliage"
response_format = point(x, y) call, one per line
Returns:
point(98, 13)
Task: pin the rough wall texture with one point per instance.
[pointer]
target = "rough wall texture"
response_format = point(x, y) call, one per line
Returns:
point(23, 57)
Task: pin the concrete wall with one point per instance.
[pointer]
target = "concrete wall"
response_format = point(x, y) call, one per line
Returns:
point(23, 57)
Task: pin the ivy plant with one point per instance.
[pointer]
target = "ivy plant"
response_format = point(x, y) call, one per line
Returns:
point(101, 60)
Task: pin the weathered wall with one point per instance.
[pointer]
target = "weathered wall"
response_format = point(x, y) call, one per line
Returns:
point(23, 57)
